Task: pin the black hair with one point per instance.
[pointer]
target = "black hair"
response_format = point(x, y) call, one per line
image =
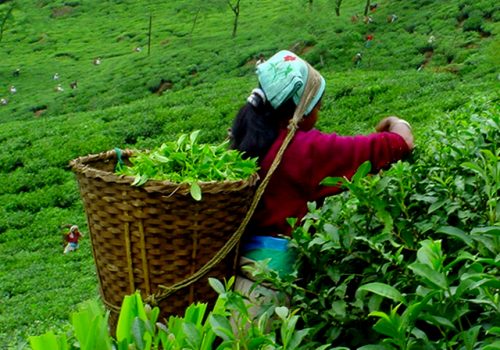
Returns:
point(255, 128)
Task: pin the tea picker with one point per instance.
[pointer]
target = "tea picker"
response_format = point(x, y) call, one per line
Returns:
point(295, 157)
point(71, 238)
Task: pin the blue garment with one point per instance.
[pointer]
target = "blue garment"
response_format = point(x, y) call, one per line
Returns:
point(276, 249)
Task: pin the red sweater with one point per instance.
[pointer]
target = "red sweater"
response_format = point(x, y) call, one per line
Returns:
point(309, 158)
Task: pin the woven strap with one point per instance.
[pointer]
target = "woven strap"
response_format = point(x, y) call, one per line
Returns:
point(311, 88)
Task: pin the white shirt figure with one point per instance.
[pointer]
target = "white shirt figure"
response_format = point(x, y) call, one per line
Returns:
point(56, 76)
point(97, 61)
point(59, 88)
point(432, 38)
point(3, 101)
point(12, 89)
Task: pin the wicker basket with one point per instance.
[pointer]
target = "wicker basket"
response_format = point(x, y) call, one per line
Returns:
point(145, 238)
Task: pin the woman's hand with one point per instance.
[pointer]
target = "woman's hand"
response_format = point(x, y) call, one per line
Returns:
point(398, 126)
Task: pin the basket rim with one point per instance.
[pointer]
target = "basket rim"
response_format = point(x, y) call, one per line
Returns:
point(81, 166)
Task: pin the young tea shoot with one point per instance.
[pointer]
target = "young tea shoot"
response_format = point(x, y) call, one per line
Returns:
point(187, 161)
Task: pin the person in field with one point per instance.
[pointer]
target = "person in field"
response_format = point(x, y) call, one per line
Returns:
point(72, 238)
point(288, 83)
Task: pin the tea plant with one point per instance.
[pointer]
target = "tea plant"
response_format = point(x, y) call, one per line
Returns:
point(114, 104)
point(186, 161)
point(228, 325)
point(408, 259)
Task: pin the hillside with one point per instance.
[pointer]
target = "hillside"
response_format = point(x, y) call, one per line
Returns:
point(191, 44)
point(432, 59)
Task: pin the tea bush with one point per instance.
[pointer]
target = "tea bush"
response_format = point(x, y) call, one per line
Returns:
point(408, 259)
point(114, 104)
point(226, 325)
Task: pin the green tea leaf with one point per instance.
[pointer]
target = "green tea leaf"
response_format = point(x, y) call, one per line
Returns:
point(386, 327)
point(195, 191)
point(221, 326)
point(193, 335)
point(194, 136)
point(363, 170)
point(431, 254)
point(333, 181)
point(438, 321)
point(48, 341)
point(138, 330)
point(488, 230)
point(384, 290)
point(282, 312)
point(435, 279)
point(470, 337)
point(456, 232)
point(216, 285)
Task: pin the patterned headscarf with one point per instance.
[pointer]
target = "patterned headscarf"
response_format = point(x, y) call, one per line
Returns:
point(284, 76)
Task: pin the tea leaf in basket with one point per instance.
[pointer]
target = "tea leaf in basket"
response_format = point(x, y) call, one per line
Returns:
point(186, 161)
point(195, 191)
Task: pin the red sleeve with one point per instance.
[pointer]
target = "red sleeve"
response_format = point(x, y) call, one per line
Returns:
point(341, 156)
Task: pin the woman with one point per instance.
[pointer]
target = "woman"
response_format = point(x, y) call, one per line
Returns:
point(289, 94)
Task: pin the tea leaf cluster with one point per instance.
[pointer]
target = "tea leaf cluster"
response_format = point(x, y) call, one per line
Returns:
point(187, 161)
point(227, 325)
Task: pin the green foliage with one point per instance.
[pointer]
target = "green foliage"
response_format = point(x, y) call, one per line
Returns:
point(411, 253)
point(90, 330)
point(187, 161)
point(115, 104)
point(227, 326)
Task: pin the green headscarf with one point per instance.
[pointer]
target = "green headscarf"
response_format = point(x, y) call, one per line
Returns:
point(284, 76)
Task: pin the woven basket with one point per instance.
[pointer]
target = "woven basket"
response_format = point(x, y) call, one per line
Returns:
point(155, 236)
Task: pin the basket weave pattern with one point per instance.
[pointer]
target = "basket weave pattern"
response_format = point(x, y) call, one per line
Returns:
point(157, 235)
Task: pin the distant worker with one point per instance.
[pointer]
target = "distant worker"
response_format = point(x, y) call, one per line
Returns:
point(367, 20)
point(392, 18)
point(56, 76)
point(73, 84)
point(431, 39)
point(373, 7)
point(369, 39)
point(357, 59)
point(58, 88)
point(97, 61)
point(138, 49)
point(16, 73)
point(4, 101)
point(12, 89)
point(72, 238)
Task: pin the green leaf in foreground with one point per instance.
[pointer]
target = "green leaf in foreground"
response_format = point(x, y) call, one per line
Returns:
point(383, 290)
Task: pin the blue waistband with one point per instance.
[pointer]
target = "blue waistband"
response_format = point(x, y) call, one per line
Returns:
point(265, 242)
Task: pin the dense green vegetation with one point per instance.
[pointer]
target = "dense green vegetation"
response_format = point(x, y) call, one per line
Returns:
point(195, 76)
point(414, 252)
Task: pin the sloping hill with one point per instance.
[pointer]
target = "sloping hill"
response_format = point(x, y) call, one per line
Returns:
point(191, 43)
point(205, 75)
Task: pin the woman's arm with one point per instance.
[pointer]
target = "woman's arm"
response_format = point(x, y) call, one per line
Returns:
point(398, 126)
